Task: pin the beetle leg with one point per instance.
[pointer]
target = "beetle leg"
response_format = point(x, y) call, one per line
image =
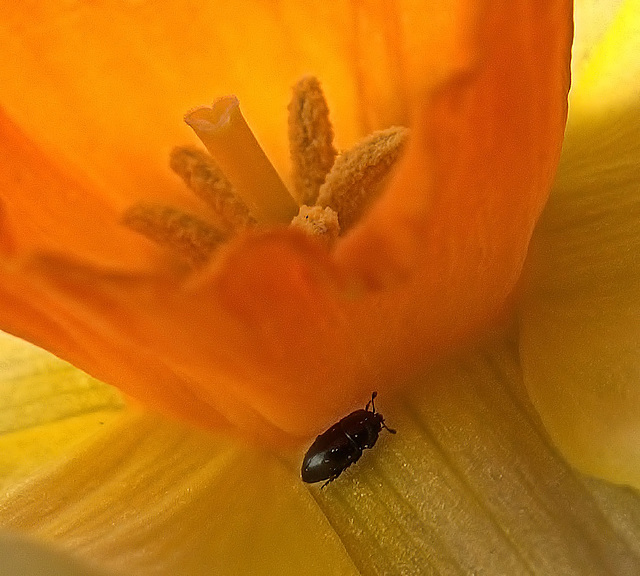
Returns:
point(387, 428)
point(330, 480)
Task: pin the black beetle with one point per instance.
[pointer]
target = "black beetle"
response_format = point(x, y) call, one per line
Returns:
point(342, 444)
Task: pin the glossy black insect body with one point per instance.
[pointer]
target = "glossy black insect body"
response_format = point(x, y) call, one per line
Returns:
point(342, 444)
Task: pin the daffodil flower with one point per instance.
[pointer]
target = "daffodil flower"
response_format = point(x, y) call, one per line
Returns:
point(257, 330)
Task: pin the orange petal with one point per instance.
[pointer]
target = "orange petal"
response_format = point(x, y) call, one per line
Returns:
point(260, 327)
point(30, 310)
point(112, 101)
point(48, 206)
point(476, 175)
point(276, 336)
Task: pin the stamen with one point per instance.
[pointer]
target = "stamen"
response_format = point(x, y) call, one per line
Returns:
point(310, 139)
point(319, 222)
point(229, 139)
point(359, 175)
point(203, 176)
point(189, 237)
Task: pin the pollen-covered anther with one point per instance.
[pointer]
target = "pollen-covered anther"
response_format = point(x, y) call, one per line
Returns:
point(204, 177)
point(360, 174)
point(310, 139)
point(187, 236)
point(318, 222)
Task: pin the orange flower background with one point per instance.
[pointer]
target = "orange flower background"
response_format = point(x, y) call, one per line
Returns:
point(275, 317)
point(278, 337)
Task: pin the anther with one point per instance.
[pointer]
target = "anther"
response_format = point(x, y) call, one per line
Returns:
point(310, 139)
point(319, 222)
point(186, 235)
point(359, 175)
point(204, 177)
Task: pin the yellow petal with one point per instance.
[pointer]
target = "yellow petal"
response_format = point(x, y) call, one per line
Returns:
point(151, 496)
point(46, 408)
point(29, 558)
point(470, 483)
point(609, 74)
point(592, 19)
point(580, 330)
point(580, 337)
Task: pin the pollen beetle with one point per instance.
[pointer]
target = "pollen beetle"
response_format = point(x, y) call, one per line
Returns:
point(342, 444)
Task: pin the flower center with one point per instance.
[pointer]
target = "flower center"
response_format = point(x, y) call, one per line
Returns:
point(242, 190)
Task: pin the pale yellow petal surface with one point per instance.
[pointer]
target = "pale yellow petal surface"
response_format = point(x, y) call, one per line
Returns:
point(608, 77)
point(46, 408)
point(154, 498)
point(25, 557)
point(469, 484)
point(592, 20)
point(580, 337)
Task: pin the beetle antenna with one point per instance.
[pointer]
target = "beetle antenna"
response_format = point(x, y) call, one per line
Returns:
point(370, 403)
